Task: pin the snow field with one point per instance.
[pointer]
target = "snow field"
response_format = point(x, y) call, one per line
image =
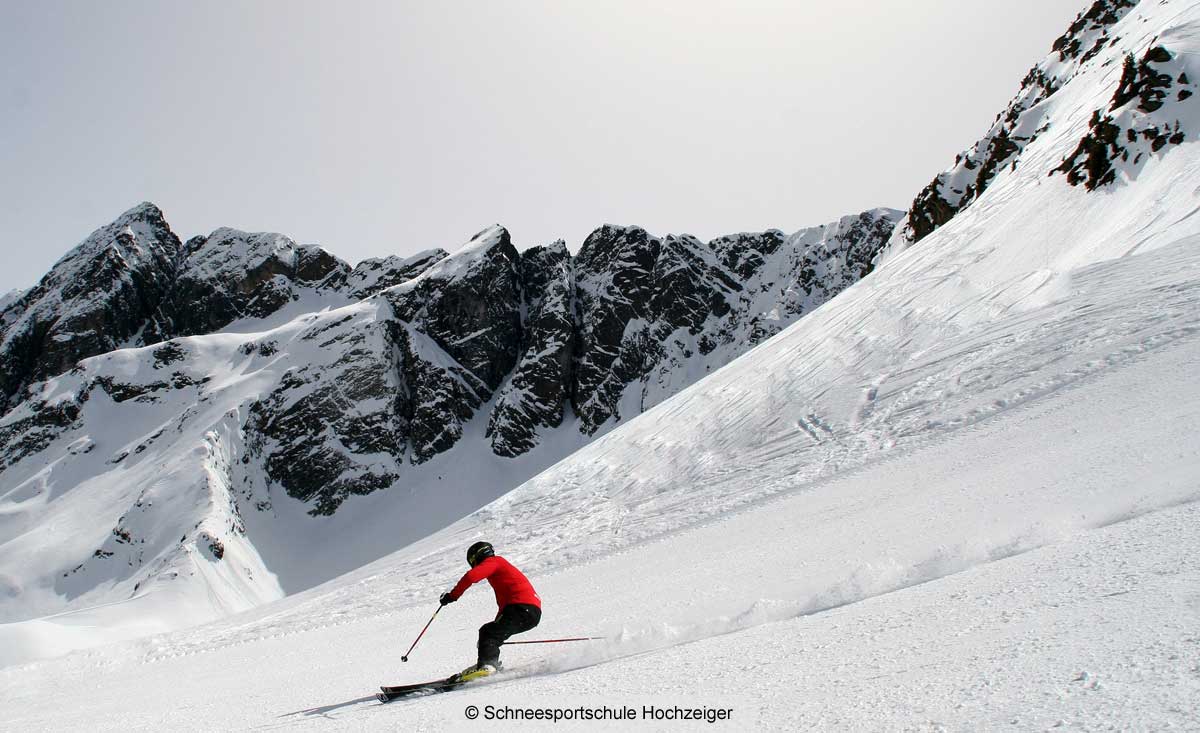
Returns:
point(962, 496)
point(1037, 566)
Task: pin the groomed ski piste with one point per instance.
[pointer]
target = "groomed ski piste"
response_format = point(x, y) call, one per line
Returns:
point(963, 495)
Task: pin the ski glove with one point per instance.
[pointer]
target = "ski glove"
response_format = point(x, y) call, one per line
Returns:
point(445, 599)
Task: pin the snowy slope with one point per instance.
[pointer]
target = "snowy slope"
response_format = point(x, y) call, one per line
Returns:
point(961, 495)
point(948, 584)
point(9, 298)
point(299, 434)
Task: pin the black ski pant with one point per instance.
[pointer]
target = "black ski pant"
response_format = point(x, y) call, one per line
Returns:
point(512, 619)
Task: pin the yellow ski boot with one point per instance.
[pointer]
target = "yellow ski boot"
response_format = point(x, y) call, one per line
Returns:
point(476, 671)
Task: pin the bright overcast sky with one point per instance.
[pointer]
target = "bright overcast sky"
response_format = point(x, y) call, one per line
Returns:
point(374, 128)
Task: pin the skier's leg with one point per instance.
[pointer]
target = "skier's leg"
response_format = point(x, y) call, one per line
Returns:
point(491, 635)
point(524, 618)
point(513, 619)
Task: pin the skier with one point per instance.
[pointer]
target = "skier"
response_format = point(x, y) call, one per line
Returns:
point(520, 605)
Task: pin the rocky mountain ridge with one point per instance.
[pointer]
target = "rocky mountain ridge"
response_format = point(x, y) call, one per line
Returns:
point(540, 330)
point(207, 389)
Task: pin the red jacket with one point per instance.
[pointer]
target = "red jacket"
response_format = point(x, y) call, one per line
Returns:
point(509, 584)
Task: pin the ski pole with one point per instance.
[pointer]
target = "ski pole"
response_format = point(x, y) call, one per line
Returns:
point(414, 644)
point(554, 641)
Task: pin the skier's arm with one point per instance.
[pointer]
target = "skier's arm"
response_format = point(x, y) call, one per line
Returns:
point(473, 576)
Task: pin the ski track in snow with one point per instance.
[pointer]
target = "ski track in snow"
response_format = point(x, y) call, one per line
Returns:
point(1070, 599)
point(1117, 352)
point(1006, 365)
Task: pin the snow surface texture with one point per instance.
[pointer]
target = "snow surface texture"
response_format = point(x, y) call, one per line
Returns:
point(948, 585)
point(961, 495)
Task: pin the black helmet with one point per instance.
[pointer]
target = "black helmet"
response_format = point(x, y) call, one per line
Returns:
point(478, 551)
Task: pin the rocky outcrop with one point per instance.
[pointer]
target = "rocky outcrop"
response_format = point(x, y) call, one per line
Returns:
point(784, 277)
point(654, 314)
point(613, 288)
point(634, 291)
point(526, 341)
point(469, 305)
point(536, 395)
point(393, 380)
point(95, 299)
point(374, 275)
point(439, 397)
point(1142, 119)
point(230, 275)
point(34, 425)
point(400, 356)
point(333, 426)
point(1020, 123)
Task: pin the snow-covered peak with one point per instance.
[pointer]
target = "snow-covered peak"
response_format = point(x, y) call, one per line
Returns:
point(95, 298)
point(232, 275)
point(487, 237)
point(482, 249)
point(7, 299)
point(557, 248)
point(375, 274)
point(226, 254)
point(131, 235)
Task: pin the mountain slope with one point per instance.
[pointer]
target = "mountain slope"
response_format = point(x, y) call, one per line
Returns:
point(953, 496)
point(275, 432)
point(942, 582)
point(1161, 117)
point(1011, 300)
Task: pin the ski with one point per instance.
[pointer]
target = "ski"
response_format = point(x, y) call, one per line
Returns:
point(454, 681)
point(391, 692)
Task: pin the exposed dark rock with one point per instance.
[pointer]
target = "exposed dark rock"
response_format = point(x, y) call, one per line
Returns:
point(438, 395)
point(214, 546)
point(1092, 162)
point(1122, 136)
point(647, 307)
point(536, 395)
point(374, 275)
point(1021, 122)
point(34, 425)
point(167, 354)
point(782, 278)
point(470, 305)
point(1142, 80)
point(121, 391)
point(328, 431)
point(614, 283)
point(744, 254)
point(231, 274)
point(394, 379)
point(95, 299)
point(1087, 25)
